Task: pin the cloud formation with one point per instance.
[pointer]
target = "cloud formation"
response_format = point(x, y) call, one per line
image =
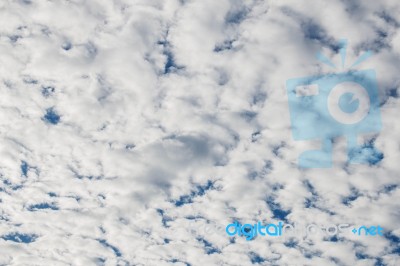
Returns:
point(133, 132)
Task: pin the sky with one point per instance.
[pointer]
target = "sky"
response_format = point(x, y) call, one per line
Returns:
point(132, 132)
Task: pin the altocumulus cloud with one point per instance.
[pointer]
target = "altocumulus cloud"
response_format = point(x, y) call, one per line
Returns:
point(132, 132)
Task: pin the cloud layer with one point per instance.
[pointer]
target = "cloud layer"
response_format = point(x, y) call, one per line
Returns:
point(133, 132)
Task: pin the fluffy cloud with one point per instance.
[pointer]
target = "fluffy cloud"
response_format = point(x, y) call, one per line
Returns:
point(133, 132)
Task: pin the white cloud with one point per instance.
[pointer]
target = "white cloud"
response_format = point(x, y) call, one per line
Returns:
point(172, 120)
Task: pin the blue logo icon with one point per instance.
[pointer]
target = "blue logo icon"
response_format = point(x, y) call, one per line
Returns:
point(333, 105)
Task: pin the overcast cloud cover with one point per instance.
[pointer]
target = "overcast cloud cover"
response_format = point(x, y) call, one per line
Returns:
point(133, 131)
